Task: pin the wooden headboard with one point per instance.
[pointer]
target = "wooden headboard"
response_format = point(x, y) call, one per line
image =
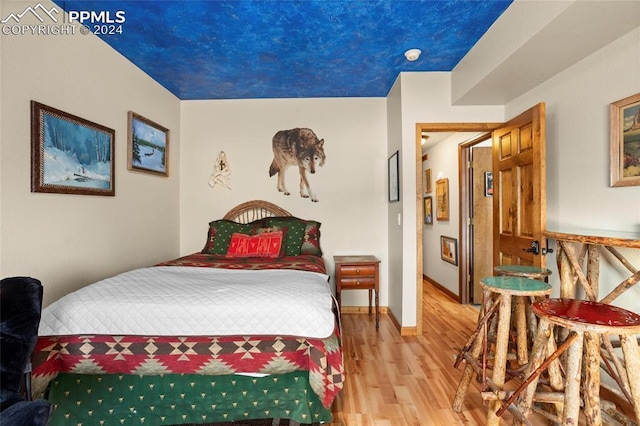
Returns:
point(254, 210)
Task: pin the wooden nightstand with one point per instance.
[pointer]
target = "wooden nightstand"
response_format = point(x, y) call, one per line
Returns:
point(358, 273)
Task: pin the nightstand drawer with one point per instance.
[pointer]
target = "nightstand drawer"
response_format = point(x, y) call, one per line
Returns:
point(359, 270)
point(358, 282)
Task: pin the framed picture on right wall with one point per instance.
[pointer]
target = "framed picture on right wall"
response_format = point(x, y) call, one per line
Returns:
point(625, 141)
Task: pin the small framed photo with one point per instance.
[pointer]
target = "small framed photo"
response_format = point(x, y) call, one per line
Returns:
point(449, 249)
point(394, 177)
point(427, 181)
point(70, 155)
point(148, 146)
point(442, 199)
point(625, 141)
point(428, 210)
point(488, 184)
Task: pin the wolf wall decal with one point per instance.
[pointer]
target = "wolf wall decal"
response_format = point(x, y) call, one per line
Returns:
point(297, 147)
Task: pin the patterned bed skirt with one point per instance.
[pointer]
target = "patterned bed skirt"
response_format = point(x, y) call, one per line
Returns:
point(320, 359)
point(170, 399)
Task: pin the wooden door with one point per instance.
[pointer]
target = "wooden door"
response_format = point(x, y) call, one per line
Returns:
point(482, 235)
point(519, 179)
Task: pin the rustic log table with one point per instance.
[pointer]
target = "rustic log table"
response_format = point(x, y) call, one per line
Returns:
point(574, 245)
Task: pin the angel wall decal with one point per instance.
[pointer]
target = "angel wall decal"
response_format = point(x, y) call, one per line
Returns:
point(221, 174)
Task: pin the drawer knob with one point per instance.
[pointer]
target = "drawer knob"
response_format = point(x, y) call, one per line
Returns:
point(357, 282)
point(357, 270)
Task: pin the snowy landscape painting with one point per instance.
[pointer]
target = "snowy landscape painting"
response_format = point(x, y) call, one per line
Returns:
point(69, 154)
point(148, 146)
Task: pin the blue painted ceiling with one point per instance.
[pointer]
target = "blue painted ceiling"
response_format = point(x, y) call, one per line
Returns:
point(291, 49)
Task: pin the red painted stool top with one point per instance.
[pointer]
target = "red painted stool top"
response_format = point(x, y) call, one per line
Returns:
point(588, 316)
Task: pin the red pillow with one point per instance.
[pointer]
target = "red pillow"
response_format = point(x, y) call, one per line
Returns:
point(267, 244)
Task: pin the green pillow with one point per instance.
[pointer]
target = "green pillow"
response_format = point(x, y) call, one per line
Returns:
point(295, 232)
point(311, 238)
point(220, 232)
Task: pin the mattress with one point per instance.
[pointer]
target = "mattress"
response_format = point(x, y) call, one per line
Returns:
point(196, 301)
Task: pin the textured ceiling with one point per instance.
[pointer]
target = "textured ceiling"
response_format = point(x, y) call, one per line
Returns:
point(291, 49)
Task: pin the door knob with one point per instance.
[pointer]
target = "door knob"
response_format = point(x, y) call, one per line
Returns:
point(535, 247)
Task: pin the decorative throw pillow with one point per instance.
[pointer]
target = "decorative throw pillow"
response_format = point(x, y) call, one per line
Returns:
point(220, 231)
point(295, 232)
point(266, 244)
point(311, 238)
point(211, 238)
point(283, 229)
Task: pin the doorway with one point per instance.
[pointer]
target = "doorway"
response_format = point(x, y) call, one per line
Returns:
point(519, 193)
point(483, 129)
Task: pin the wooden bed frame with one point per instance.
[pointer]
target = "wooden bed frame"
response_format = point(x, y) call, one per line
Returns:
point(254, 210)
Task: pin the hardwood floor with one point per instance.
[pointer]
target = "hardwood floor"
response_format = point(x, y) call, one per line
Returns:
point(395, 380)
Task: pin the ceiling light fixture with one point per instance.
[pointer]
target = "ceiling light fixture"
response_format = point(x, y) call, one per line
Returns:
point(412, 54)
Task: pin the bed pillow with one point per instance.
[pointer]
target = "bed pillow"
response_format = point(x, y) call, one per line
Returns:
point(295, 232)
point(283, 229)
point(303, 235)
point(311, 238)
point(220, 232)
point(267, 244)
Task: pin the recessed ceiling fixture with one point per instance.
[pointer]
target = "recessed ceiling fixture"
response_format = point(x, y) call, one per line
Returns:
point(412, 54)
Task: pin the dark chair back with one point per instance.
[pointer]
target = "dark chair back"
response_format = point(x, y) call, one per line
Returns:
point(20, 308)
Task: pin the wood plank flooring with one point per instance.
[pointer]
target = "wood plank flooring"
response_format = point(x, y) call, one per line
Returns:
point(394, 380)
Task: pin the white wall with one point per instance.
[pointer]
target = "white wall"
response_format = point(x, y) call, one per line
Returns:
point(578, 162)
point(68, 241)
point(425, 98)
point(351, 186)
point(394, 210)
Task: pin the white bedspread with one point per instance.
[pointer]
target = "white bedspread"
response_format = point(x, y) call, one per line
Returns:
point(193, 301)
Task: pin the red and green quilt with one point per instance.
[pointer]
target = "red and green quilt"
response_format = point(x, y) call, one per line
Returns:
point(202, 355)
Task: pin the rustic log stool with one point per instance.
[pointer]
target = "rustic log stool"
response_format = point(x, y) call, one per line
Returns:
point(521, 305)
point(587, 322)
point(497, 292)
